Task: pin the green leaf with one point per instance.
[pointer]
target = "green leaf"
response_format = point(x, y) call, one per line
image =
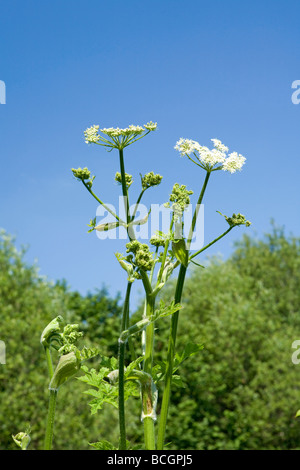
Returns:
point(88, 353)
point(105, 391)
point(180, 251)
point(197, 264)
point(133, 365)
point(189, 350)
point(176, 380)
point(161, 312)
point(103, 445)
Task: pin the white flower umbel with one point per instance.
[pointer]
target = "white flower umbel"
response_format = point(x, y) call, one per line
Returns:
point(234, 162)
point(213, 159)
point(91, 135)
point(115, 137)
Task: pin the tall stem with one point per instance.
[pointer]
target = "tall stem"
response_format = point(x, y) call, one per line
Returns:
point(164, 256)
point(195, 215)
point(50, 420)
point(125, 194)
point(148, 421)
point(174, 326)
point(122, 345)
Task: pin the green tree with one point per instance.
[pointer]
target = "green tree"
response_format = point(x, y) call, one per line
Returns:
point(27, 303)
point(242, 390)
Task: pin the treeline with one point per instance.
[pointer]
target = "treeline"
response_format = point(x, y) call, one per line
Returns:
point(240, 392)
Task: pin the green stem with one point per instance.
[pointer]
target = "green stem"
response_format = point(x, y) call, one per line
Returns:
point(170, 360)
point(149, 338)
point(148, 422)
point(195, 215)
point(49, 361)
point(50, 420)
point(165, 252)
point(149, 434)
point(122, 345)
point(210, 244)
point(125, 194)
point(101, 202)
point(137, 204)
point(174, 326)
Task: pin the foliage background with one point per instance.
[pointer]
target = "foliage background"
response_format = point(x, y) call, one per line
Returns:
point(240, 392)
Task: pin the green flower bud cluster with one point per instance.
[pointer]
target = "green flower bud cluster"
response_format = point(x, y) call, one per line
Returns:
point(158, 239)
point(69, 336)
point(150, 179)
point(236, 219)
point(83, 174)
point(128, 179)
point(180, 198)
point(64, 341)
point(143, 257)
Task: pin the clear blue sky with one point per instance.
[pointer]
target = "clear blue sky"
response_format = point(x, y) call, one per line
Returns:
point(200, 69)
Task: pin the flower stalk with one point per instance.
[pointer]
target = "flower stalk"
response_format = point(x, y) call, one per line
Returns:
point(174, 327)
point(122, 345)
point(139, 261)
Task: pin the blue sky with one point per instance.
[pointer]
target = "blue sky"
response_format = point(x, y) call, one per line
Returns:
point(200, 69)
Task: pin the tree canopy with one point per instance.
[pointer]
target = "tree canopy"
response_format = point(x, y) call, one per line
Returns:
point(241, 391)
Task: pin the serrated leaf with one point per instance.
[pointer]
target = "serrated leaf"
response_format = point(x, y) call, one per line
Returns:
point(133, 365)
point(176, 380)
point(88, 353)
point(104, 391)
point(103, 445)
point(189, 350)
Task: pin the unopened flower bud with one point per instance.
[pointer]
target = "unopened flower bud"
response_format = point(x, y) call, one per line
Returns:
point(22, 439)
point(150, 179)
point(67, 366)
point(51, 330)
point(81, 173)
point(128, 179)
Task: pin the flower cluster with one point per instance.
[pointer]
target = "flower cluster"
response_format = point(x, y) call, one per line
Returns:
point(69, 337)
point(211, 159)
point(128, 179)
point(81, 173)
point(158, 239)
point(143, 258)
point(117, 132)
point(61, 340)
point(150, 179)
point(236, 219)
point(91, 135)
point(84, 175)
point(180, 199)
point(115, 137)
